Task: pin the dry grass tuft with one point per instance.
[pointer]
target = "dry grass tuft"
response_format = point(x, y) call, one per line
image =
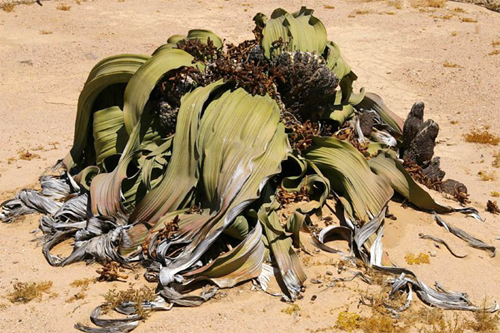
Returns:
point(484, 137)
point(82, 283)
point(496, 160)
point(486, 176)
point(328, 7)
point(395, 3)
point(448, 64)
point(428, 3)
point(468, 20)
point(76, 297)
point(26, 155)
point(459, 10)
point(422, 258)
point(63, 7)
point(361, 12)
point(442, 325)
point(45, 32)
point(494, 52)
point(484, 322)
point(495, 194)
point(137, 296)
point(348, 321)
point(495, 43)
point(8, 7)
point(25, 292)
point(290, 310)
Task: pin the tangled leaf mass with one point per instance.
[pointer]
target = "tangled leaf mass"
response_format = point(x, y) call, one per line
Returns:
point(208, 164)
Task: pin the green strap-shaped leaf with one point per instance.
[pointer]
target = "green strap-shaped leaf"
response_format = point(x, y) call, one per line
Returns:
point(335, 61)
point(145, 79)
point(110, 71)
point(181, 175)
point(300, 31)
point(385, 165)
point(241, 144)
point(350, 176)
point(203, 36)
point(110, 136)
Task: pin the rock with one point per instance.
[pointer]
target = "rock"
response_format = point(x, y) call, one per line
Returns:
point(421, 148)
point(366, 123)
point(433, 170)
point(453, 187)
point(413, 124)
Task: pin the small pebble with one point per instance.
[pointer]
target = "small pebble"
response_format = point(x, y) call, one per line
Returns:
point(316, 281)
point(313, 298)
point(329, 273)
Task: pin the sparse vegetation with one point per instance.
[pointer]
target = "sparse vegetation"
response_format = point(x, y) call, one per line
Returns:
point(137, 296)
point(495, 194)
point(484, 322)
point(63, 7)
point(450, 64)
point(289, 310)
point(494, 52)
point(421, 258)
point(45, 32)
point(459, 10)
point(8, 7)
point(468, 20)
point(82, 283)
point(484, 137)
point(428, 3)
point(348, 321)
point(361, 12)
point(495, 43)
point(328, 7)
point(486, 176)
point(27, 155)
point(25, 292)
point(395, 3)
point(496, 160)
point(76, 297)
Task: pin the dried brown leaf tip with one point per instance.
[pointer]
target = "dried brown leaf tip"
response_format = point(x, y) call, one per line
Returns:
point(492, 207)
point(111, 272)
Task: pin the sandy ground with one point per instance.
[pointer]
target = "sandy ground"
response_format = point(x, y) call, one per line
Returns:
point(46, 54)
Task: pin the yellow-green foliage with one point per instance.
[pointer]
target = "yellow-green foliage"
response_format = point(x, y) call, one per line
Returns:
point(291, 309)
point(496, 160)
point(82, 283)
point(486, 176)
point(114, 298)
point(25, 292)
point(422, 258)
point(348, 321)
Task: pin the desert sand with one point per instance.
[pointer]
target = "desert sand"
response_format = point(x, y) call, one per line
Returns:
point(46, 54)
